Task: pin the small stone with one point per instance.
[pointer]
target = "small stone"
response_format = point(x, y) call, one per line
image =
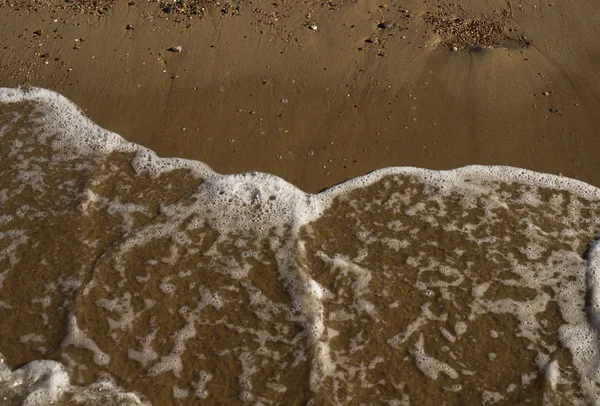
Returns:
point(313, 27)
point(385, 24)
point(546, 93)
point(129, 27)
point(39, 32)
point(455, 48)
point(175, 49)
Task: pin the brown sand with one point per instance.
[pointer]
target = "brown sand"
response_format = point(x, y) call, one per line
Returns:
point(376, 84)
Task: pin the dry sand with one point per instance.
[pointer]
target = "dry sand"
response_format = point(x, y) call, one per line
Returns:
point(319, 92)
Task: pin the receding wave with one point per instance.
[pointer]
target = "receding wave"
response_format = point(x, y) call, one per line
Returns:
point(126, 278)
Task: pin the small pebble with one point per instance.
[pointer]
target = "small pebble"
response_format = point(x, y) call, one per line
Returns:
point(175, 49)
point(546, 94)
point(455, 48)
point(129, 27)
point(313, 27)
point(39, 32)
point(385, 24)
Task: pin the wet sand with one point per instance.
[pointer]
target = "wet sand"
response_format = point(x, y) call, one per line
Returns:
point(131, 280)
point(318, 92)
point(185, 286)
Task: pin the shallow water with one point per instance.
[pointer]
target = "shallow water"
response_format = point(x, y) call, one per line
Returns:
point(130, 279)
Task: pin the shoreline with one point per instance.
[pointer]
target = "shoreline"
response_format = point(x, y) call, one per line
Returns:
point(122, 270)
point(254, 88)
point(130, 279)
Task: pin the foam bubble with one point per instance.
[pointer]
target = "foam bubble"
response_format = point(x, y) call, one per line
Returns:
point(243, 209)
point(78, 338)
point(42, 383)
point(430, 366)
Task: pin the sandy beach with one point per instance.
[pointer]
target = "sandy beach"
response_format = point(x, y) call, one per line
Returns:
point(360, 273)
point(320, 92)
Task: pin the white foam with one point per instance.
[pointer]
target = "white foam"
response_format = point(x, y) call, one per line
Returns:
point(581, 338)
point(77, 338)
point(200, 386)
point(147, 354)
point(430, 366)
point(43, 383)
point(266, 206)
point(490, 397)
point(39, 382)
point(73, 131)
point(552, 371)
point(460, 328)
point(75, 134)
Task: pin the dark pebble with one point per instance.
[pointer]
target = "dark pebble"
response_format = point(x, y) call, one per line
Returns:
point(385, 24)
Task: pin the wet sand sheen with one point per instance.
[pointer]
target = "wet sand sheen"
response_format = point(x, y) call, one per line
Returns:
point(168, 283)
point(521, 91)
point(160, 281)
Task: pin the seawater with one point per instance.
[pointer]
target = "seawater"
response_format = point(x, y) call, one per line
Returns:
point(130, 279)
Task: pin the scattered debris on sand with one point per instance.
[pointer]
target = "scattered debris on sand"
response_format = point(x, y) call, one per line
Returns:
point(460, 32)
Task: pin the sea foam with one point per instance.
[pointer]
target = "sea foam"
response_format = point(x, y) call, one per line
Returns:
point(404, 263)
